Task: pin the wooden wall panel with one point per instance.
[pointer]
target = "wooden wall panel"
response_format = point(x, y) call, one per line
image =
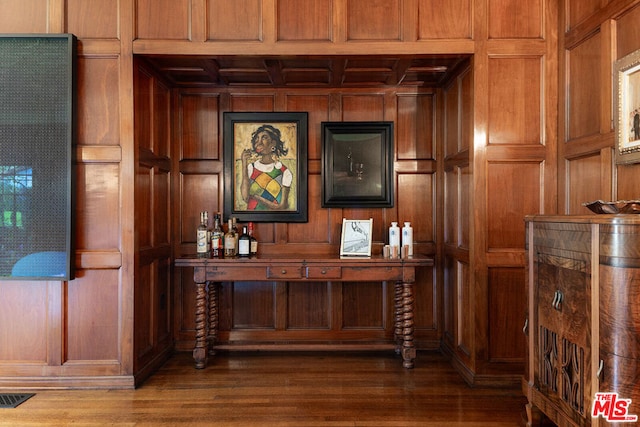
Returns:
point(304, 20)
point(507, 305)
point(584, 178)
point(98, 111)
point(199, 192)
point(163, 19)
point(415, 202)
point(515, 19)
point(416, 129)
point(363, 108)
point(309, 305)
point(466, 189)
point(24, 16)
point(628, 33)
point(199, 134)
point(161, 120)
point(364, 305)
point(465, 310)
point(579, 10)
point(444, 19)
point(317, 108)
point(254, 305)
point(97, 206)
point(374, 19)
point(451, 120)
point(450, 207)
point(144, 208)
point(584, 72)
point(319, 227)
point(24, 311)
point(466, 110)
point(239, 20)
point(515, 113)
point(515, 186)
point(252, 102)
point(427, 314)
point(143, 334)
point(97, 19)
point(92, 328)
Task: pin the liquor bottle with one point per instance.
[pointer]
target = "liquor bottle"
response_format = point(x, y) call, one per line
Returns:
point(244, 243)
point(201, 238)
point(217, 238)
point(236, 232)
point(253, 250)
point(206, 224)
point(229, 241)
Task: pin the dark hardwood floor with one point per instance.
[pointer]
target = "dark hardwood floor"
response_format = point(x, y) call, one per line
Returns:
point(283, 389)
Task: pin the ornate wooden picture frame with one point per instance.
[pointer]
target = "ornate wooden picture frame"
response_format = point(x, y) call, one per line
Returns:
point(265, 166)
point(626, 72)
point(357, 164)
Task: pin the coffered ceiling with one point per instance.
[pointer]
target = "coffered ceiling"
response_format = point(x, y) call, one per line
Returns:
point(306, 71)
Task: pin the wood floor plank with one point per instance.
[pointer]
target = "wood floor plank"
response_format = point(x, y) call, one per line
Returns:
point(283, 389)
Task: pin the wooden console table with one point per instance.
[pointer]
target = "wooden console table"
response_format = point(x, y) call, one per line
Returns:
point(207, 272)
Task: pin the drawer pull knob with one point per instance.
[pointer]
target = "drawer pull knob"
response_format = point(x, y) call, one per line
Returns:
point(323, 272)
point(283, 271)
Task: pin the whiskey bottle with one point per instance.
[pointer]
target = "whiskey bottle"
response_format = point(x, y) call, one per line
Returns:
point(234, 222)
point(201, 238)
point(244, 243)
point(229, 241)
point(217, 238)
point(253, 249)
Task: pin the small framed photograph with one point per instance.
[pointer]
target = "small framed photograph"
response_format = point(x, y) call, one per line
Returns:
point(626, 72)
point(357, 164)
point(265, 166)
point(356, 237)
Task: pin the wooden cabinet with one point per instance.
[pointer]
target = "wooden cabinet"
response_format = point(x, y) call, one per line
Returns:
point(583, 322)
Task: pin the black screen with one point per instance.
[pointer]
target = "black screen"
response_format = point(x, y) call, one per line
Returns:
point(37, 128)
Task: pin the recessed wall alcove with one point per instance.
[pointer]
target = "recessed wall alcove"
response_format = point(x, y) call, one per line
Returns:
point(179, 104)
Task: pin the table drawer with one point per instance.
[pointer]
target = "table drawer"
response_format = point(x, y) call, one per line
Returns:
point(324, 272)
point(284, 272)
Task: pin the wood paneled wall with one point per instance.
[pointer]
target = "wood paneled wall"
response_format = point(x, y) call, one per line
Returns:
point(514, 134)
point(597, 33)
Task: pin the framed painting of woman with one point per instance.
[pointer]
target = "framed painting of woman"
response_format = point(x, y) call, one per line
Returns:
point(265, 166)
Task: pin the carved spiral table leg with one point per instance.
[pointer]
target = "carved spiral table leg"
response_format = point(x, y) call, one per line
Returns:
point(408, 346)
point(212, 332)
point(398, 313)
point(200, 350)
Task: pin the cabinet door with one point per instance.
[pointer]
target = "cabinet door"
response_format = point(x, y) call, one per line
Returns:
point(563, 309)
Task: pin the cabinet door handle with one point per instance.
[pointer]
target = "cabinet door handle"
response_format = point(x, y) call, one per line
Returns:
point(557, 301)
point(600, 368)
point(525, 328)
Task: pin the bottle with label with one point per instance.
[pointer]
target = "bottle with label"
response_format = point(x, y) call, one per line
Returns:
point(229, 241)
point(244, 243)
point(236, 232)
point(394, 239)
point(407, 238)
point(206, 224)
point(217, 238)
point(201, 238)
point(253, 250)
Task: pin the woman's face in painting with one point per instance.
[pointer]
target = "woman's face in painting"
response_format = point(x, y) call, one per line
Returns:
point(264, 143)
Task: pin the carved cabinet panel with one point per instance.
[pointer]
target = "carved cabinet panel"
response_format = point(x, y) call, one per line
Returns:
point(582, 325)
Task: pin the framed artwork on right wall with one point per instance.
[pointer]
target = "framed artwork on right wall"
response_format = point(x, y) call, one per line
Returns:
point(626, 75)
